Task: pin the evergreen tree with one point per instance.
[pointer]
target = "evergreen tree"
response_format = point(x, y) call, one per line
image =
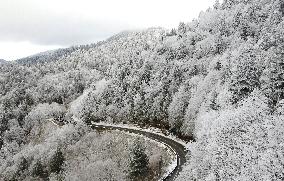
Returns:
point(139, 164)
point(273, 78)
point(213, 101)
point(23, 165)
point(38, 170)
point(181, 29)
point(177, 110)
point(282, 8)
point(245, 75)
point(56, 162)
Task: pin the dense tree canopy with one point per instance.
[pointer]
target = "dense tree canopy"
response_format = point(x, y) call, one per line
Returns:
point(219, 78)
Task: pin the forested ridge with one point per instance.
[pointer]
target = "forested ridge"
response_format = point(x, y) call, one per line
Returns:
point(218, 79)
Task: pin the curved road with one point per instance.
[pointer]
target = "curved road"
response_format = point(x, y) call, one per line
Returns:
point(177, 147)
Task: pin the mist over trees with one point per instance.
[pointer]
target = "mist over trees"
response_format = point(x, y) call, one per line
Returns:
point(218, 79)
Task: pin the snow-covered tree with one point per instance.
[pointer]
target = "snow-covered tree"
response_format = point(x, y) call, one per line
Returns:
point(56, 162)
point(177, 109)
point(273, 77)
point(245, 74)
point(139, 164)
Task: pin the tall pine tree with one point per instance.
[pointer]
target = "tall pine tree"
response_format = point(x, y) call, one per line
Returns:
point(273, 77)
point(139, 164)
point(56, 162)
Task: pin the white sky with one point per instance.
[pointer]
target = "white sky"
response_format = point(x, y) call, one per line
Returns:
point(32, 26)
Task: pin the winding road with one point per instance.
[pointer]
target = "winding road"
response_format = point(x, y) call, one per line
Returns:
point(177, 147)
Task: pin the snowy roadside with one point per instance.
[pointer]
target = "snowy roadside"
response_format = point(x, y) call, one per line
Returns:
point(171, 167)
point(172, 164)
point(150, 130)
point(135, 127)
point(171, 151)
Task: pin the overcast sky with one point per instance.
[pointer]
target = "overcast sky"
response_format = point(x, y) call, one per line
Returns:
point(32, 26)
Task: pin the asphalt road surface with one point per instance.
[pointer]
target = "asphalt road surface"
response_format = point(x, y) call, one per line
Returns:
point(177, 147)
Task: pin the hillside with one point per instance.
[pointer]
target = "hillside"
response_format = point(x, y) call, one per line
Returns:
point(218, 79)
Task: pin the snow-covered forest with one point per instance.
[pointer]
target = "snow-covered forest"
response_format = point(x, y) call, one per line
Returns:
point(218, 80)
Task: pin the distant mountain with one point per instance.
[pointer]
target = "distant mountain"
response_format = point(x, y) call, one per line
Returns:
point(61, 53)
point(52, 55)
point(47, 56)
point(2, 61)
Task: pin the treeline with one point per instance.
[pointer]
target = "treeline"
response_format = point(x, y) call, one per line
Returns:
point(53, 55)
